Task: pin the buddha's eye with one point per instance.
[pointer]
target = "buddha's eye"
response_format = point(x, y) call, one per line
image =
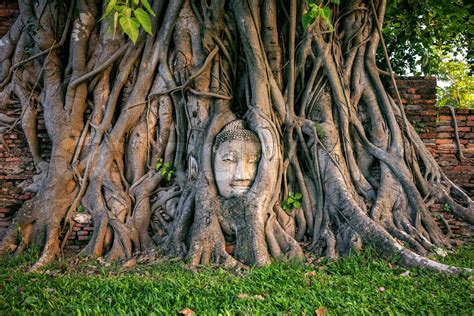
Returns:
point(228, 159)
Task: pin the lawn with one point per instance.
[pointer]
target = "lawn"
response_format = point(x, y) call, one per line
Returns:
point(355, 285)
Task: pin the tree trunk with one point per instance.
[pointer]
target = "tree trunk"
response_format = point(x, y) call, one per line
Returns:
point(139, 132)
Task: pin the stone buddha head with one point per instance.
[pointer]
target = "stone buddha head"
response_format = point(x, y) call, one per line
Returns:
point(236, 154)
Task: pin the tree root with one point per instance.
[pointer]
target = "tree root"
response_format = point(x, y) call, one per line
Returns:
point(133, 126)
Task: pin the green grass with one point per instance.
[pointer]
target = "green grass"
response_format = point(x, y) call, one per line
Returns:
point(353, 286)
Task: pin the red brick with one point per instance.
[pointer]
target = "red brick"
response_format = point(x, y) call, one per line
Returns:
point(445, 129)
point(445, 135)
point(462, 111)
point(427, 135)
point(444, 118)
point(444, 141)
point(429, 113)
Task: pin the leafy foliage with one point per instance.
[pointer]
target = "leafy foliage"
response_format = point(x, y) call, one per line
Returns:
point(460, 89)
point(293, 201)
point(80, 209)
point(320, 131)
point(419, 33)
point(130, 14)
point(165, 169)
point(315, 10)
point(446, 208)
point(352, 286)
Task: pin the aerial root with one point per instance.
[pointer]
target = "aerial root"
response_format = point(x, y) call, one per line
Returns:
point(280, 244)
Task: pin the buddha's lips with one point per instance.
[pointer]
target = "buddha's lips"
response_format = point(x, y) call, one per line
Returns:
point(240, 187)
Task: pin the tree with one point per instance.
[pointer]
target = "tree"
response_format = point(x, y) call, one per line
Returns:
point(460, 91)
point(420, 34)
point(137, 132)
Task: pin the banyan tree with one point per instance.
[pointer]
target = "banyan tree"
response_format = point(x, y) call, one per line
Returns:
point(219, 131)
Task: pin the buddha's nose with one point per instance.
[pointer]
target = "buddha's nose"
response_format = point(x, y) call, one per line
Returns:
point(242, 171)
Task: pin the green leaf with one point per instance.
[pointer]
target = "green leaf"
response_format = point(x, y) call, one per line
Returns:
point(326, 13)
point(127, 12)
point(307, 21)
point(296, 204)
point(130, 26)
point(298, 196)
point(144, 19)
point(314, 10)
point(119, 8)
point(148, 7)
point(290, 200)
point(110, 6)
point(336, 1)
point(158, 165)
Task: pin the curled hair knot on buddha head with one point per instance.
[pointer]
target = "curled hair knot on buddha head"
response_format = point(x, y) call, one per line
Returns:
point(235, 130)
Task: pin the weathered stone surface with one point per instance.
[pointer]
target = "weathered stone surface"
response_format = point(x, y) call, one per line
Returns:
point(82, 218)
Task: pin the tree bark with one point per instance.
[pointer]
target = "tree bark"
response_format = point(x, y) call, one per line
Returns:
point(133, 128)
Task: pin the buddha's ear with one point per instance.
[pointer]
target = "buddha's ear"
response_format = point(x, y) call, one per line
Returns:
point(268, 146)
point(260, 123)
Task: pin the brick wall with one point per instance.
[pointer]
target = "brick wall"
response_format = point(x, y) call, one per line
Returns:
point(435, 127)
point(418, 94)
point(16, 163)
point(16, 166)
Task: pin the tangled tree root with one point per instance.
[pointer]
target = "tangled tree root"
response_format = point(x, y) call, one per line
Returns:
point(132, 128)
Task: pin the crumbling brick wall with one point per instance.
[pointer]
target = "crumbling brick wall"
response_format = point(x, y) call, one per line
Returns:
point(16, 163)
point(435, 127)
point(16, 166)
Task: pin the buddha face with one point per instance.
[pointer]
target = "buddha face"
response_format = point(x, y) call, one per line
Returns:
point(235, 166)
